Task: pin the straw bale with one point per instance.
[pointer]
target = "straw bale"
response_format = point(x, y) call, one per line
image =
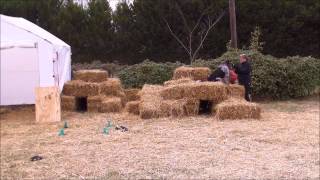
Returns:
point(212, 91)
point(111, 87)
point(191, 107)
point(195, 73)
point(173, 108)
point(150, 101)
point(132, 94)
point(111, 104)
point(68, 103)
point(80, 88)
point(123, 97)
point(94, 103)
point(94, 75)
point(177, 81)
point(179, 108)
point(133, 107)
point(234, 108)
point(235, 90)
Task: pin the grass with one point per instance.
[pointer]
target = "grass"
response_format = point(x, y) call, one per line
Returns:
point(284, 144)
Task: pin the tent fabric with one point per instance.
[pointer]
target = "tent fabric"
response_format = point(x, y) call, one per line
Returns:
point(21, 44)
point(32, 28)
point(51, 55)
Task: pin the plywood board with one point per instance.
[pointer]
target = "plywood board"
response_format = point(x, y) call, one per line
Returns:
point(48, 102)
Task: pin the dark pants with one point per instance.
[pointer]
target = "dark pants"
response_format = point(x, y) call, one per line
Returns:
point(247, 89)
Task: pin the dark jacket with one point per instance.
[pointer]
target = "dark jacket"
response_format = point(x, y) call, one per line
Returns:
point(218, 73)
point(244, 72)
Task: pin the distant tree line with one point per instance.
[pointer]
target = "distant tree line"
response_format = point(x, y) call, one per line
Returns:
point(137, 31)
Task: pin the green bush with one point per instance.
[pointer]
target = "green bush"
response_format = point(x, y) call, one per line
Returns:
point(147, 72)
point(271, 77)
point(276, 78)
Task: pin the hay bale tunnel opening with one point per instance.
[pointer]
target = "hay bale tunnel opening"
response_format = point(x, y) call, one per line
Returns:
point(205, 107)
point(82, 104)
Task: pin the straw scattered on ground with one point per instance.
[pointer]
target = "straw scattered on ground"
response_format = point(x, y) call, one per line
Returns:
point(283, 144)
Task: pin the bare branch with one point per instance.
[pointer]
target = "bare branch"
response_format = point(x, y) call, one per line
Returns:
point(211, 25)
point(205, 28)
point(197, 24)
point(199, 19)
point(183, 17)
point(176, 37)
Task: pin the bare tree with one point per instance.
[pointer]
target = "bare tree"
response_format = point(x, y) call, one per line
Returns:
point(205, 23)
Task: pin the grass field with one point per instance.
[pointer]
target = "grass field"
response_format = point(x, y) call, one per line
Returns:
point(284, 144)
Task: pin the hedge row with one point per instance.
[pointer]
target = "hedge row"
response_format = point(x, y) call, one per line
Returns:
point(147, 72)
point(271, 77)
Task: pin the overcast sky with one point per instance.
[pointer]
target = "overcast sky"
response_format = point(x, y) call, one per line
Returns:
point(113, 3)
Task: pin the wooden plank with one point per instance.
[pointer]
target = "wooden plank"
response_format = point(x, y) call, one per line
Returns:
point(48, 102)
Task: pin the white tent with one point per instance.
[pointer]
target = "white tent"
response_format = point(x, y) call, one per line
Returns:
point(30, 57)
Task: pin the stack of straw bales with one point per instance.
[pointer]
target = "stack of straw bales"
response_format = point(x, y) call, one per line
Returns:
point(178, 97)
point(153, 105)
point(194, 73)
point(182, 95)
point(103, 94)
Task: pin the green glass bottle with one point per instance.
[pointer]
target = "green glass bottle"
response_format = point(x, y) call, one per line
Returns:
point(109, 124)
point(106, 130)
point(65, 125)
point(61, 132)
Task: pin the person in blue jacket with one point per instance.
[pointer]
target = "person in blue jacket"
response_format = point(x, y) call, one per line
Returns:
point(243, 69)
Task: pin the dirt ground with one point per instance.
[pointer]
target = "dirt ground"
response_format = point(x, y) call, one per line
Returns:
point(284, 144)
